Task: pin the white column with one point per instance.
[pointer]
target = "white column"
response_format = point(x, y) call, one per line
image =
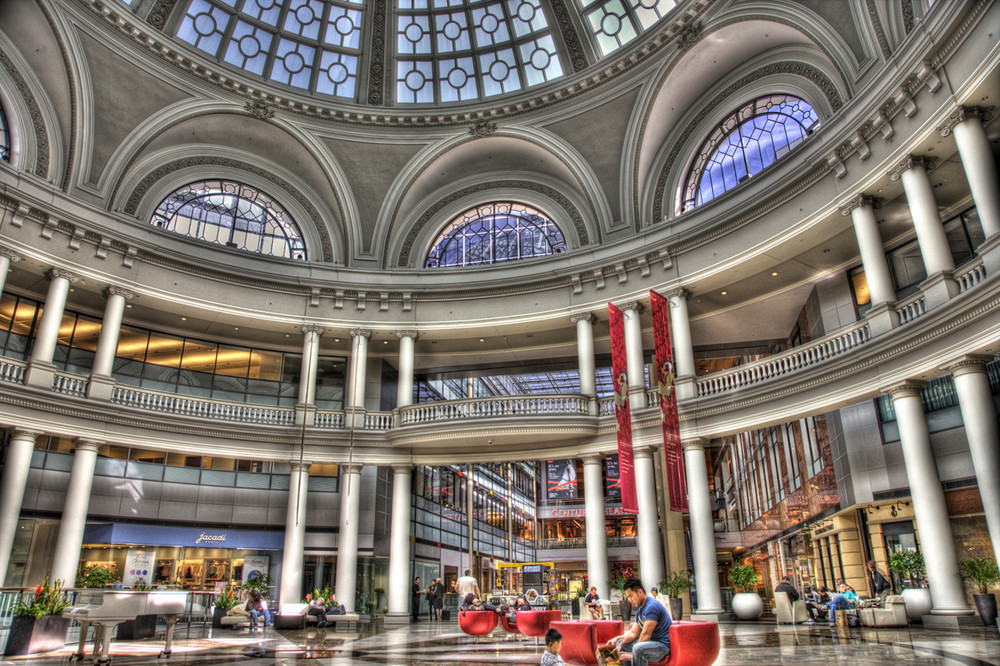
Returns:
point(706, 571)
point(7, 257)
point(20, 446)
point(983, 432)
point(597, 536)
point(295, 533)
point(650, 544)
point(307, 374)
point(40, 369)
point(937, 542)
point(882, 316)
point(101, 385)
point(404, 392)
point(66, 560)
point(399, 545)
point(634, 358)
point(359, 371)
point(680, 337)
point(347, 542)
point(978, 163)
point(585, 362)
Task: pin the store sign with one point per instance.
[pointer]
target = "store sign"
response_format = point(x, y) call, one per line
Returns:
point(545, 512)
point(194, 537)
point(255, 564)
point(138, 568)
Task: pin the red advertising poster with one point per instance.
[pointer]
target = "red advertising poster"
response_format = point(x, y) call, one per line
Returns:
point(626, 466)
point(676, 484)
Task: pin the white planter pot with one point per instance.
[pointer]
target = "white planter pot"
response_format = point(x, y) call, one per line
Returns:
point(747, 605)
point(918, 603)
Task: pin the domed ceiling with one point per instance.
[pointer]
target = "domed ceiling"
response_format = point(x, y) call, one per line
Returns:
point(424, 52)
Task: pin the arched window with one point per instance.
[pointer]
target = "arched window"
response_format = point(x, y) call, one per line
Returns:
point(495, 233)
point(746, 142)
point(231, 214)
point(4, 137)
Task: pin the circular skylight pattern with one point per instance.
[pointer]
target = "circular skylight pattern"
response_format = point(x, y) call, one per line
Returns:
point(617, 22)
point(464, 50)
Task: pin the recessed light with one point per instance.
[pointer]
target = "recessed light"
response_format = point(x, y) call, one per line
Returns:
point(184, 318)
point(128, 305)
point(482, 339)
point(774, 274)
point(288, 335)
point(336, 339)
point(72, 289)
point(236, 328)
point(724, 293)
point(385, 342)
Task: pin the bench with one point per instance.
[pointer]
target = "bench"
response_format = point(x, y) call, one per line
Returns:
point(295, 616)
point(582, 637)
point(477, 622)
point(234, 621)
point(536, 623)
point(692, 643)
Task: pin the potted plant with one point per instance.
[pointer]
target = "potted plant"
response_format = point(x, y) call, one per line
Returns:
point(673, 587)
point(227, 600)
point(38, 625)
point(257, 581)
point(908, 565)
point(979, 573)
point(747, 604)
point(624, 606)
point(95, 576)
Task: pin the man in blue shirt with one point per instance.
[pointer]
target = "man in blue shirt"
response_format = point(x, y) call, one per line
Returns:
point(648, 637)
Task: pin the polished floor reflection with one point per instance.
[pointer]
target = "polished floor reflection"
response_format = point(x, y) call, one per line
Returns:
point(759, 644)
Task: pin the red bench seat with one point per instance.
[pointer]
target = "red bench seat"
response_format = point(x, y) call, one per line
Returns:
point(536, 623)
point(692, 643)
point(477, 623)
point(581, 638)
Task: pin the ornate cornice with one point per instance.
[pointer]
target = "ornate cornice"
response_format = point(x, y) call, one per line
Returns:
point(479, 130)
point(583, 316)
point(689, 36)
point(963, 113)
point(161, 172)
point(160, 13)
point(857, 202)
point(376, 62)
point(910, 162)
point(906, 7)
point(259, 110)
point(42, 155)
point(569, 37)
point(876, 21)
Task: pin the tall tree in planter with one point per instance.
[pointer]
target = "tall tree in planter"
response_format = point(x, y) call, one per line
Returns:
point(673, 587)
point(747, 604)
point(38, 624)
point(979, 573)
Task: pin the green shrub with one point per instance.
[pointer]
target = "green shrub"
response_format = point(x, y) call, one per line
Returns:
point(979, 572)
point(744, 577)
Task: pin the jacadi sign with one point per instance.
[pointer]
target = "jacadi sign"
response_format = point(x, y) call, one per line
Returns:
point(211, 539)
point(195, 537)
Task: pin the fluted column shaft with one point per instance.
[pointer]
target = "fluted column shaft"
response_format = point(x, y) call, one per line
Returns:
point(347, 542)
point(407, 343)
point(934, 246)
point(359, 366)
point(634, 360)
point(48, 328)
point(111, 324)
point(648, 522)
point(399, 544)
point(20, 446)
point(975, 399)
point(295, 533)
point(597, 536)
point(929, 508)
point(585, 360)
point(702, 531)
point(980, 167)
point(66, 560)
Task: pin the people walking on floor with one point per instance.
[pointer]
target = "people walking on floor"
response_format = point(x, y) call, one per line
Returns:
point(467, 584)
point(648, 637)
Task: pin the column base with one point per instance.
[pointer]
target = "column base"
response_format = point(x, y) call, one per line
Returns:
point(882, 318)
point(950, 621)
point(396, 619)
point(708, 615)
point(100, 387)
point(989, 250)
point(355, 418)
point(938, 289)
point(40, 374)
point(686, 387)
point(305, 415)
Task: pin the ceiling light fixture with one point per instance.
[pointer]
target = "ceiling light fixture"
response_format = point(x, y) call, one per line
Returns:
point(236, 328)
point(724, 293)
point(774, 274)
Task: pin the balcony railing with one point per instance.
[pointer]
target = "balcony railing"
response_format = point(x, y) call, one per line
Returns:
point(912, 307)
point(786, 362)
point(69, 384)
point(206, 408)
point(581, 542)
point(480, 408)
point(12, 371)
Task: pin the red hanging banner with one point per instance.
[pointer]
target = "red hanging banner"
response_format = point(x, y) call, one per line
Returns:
point(677, 485)
point(626, 465)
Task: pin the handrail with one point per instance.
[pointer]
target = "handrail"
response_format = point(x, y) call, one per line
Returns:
point(785, 362)
point(12, 371)
point(216, 410)
point(492, 407)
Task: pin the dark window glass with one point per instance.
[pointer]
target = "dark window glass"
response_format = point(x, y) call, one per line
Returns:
point(4, 137)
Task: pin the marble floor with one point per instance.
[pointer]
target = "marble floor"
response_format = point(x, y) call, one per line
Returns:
point(759, 644)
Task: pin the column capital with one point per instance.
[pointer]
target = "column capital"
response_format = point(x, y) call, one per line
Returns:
point(364, 332)
point(679, 292)
point(402, 469)
point(352, 468)
point(847, 207)
point(407, 334)
point(694, 445)
point(54, 273)
point(635, 306)
point(644, 451)
point(113, 290)
point(24, 433)
point(968, 363)
point(963, 113)
point(911, 162)
point(593, 458)
point(312, 328)
point(10, 254)
point(583, 316)
point(86, 445)
point(904, 388)
point(295, 466)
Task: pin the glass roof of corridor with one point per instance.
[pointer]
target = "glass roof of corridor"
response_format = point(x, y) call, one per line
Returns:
point(438, 51)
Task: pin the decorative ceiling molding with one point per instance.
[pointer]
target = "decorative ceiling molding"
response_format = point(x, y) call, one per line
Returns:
point(42, 155)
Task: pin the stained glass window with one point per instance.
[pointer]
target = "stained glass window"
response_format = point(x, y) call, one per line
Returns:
point(615, 23)
point(746, 142)
point(460, 50)
point(495, 233)
point(4, 137)
point(309, 44)
point(231, 214)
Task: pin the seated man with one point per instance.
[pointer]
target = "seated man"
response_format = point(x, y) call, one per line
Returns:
point(257, 607)
point(318, 608)
point(474, 603)
point(845, 600)
point(786, 586)
point(593, 602)
point(648, 637)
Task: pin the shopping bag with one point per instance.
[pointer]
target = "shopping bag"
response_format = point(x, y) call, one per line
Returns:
point(607, 655)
